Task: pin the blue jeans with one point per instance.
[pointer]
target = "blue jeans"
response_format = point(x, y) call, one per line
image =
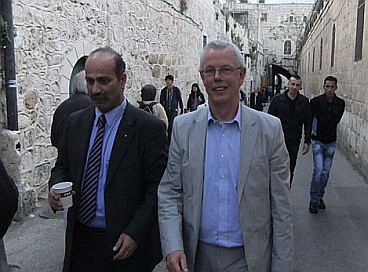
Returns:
point(322, 159)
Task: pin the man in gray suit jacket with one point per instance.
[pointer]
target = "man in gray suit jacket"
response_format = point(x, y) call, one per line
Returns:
point(224, 200)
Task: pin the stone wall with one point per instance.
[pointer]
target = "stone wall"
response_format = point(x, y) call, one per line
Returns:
point(155, 38)
point(351, 75)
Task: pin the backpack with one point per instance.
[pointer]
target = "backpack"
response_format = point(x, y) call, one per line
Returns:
point(148, 108)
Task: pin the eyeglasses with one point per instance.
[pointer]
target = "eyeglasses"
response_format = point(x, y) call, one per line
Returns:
point(226, 71)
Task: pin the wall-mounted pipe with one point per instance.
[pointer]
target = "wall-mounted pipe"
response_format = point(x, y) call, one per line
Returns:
point(9, 64)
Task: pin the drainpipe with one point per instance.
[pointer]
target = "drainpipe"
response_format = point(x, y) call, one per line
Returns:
point(9, 64)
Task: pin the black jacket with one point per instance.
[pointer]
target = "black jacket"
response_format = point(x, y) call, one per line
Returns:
point(193, 103)
point(256, 103)
point(8, 200)
point(327, 115)
point(293, 118)
point(172, 104)
point(72, 104)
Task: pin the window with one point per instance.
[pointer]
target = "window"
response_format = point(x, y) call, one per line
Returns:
point(291, 19)
point(321, 55)
point(333, 46)
point(264, 17)
point(305, 19)
point(314, 53)
point(287, 47)
point(359, 31)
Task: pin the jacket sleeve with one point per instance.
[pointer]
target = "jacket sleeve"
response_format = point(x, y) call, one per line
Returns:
point(340, 112)
point(162, 97)
point(8, 200)
point(282, 222)
point(308, 119)
point(273, 107)
point(188, 103)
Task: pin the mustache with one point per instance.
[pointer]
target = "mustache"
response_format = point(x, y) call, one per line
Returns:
point(98, 97)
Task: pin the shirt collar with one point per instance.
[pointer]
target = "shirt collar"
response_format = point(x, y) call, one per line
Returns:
point(113, 115)
point(235, 120)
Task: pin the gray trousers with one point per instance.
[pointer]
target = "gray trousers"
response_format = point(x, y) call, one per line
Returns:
point(211, 258)
point(3, 259)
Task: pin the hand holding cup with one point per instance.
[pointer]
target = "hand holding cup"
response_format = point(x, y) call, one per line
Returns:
point(60, 195)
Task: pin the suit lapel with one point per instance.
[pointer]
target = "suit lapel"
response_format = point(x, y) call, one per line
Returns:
point(124, 136)
point(197, 145)
point(248, 142)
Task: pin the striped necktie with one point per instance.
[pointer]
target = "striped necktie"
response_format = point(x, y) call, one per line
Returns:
point(87, 209)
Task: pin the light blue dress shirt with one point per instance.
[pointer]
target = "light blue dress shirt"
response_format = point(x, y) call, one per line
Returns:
point(113, 119)
point(220, 224)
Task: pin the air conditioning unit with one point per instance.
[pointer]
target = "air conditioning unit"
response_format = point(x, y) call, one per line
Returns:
point(261, 1)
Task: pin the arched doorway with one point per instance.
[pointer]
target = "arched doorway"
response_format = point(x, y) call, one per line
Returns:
point(79, 66)
point(275, 73)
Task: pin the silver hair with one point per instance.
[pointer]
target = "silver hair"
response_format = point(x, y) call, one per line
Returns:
point(79, 83)
point(221, 45)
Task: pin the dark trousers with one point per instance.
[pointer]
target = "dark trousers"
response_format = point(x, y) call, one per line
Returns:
point(93, 253)
point(170, 116)
point(293, 149)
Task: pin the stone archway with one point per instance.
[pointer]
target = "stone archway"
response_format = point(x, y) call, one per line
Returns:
point(71, 66)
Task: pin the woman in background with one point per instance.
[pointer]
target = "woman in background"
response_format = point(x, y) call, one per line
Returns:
point(195, 98)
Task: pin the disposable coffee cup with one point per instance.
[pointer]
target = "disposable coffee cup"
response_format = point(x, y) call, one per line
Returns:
point(64, 189)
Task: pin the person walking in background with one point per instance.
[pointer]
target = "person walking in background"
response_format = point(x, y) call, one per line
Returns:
point(148, 95)
point(8, 207)
point(256, 100)
point(269, 93)
point(224, 199)
point(115, 155)
point(195, 98)
point(293, 109)
point(170, 99)
point(79, 100)
point(242, 97)
point(327, 110)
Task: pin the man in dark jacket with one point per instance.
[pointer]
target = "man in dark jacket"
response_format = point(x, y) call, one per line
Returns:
point(170, 99)
point(293, 109)
point(79, 100)
point(8, 207)
point(327, 110)
point(256, 100)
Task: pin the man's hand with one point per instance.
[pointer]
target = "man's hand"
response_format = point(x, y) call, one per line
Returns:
point(126, 247)
point(176, 261)
point(305, 149)
point(54, 201)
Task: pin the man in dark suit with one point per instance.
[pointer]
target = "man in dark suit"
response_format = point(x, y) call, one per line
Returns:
point(80, 100)
point(122, 233)
point(256, 100)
